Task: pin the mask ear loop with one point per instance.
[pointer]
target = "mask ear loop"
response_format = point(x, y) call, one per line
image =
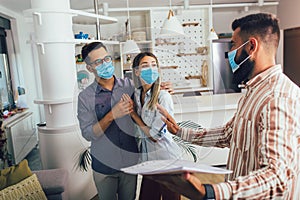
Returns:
point(245, 58)
point(243, 44)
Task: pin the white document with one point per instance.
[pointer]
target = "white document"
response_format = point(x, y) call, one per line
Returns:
point(172, 167)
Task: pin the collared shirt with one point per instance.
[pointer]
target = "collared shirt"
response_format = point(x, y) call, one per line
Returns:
point(117, 147)
point(264, 140)
point(165, 147)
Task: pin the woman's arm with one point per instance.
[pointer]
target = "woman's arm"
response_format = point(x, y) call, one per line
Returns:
point(137, 119)
point(218, 137)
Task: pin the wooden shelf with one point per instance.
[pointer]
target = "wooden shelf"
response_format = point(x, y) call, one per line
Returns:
point(168, 67)
point(165, 43)
point(190, 24)
point(192, 77)
point(189, 54)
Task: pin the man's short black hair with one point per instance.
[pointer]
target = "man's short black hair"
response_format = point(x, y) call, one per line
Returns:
point(86, 49)
point(263, 25)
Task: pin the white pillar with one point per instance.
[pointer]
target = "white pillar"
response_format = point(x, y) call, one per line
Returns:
point(60, 141)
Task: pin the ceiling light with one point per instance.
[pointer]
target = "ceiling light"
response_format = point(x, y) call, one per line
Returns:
point(130, 46)
point(171, 25)
point(212, 33)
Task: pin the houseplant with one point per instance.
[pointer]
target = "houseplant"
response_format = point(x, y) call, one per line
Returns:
point(84, 158)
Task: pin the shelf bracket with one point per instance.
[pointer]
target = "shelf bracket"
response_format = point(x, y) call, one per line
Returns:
point(39, 17)
point(42, 47)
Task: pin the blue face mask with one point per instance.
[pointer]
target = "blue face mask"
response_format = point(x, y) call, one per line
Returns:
point(149, 75)
point(105, 70)
point(231, 56)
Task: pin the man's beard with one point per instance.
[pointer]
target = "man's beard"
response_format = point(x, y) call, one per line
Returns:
point(245, 70)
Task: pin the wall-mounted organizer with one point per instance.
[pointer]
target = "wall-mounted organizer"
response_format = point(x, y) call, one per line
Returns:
point(183, 57)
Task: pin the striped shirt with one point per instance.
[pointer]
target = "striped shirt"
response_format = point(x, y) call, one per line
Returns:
point(264, 140)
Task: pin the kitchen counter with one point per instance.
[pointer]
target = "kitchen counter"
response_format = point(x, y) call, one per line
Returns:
point(208, 111)
point(196, 108)
point(206, 102)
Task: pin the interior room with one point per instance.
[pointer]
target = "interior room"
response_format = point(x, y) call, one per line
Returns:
point(42, 71)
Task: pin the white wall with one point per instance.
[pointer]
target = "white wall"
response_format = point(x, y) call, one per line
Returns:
point(223, 17)
point(289, 14)
point(24, 57)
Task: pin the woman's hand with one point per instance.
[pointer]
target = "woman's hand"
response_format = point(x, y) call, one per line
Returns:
point(126, 98)
point(122, 108)
point(137, 118)
point(169, 120)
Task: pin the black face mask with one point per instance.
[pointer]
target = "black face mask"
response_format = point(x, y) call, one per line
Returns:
point(242, 74)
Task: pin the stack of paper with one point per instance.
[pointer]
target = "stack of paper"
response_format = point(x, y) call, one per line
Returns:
point(172, 167)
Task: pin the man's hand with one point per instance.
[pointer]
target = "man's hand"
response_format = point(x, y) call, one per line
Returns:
point(137, 118)
point(167, 86)
point(186, 184)
point(122, 108)
point(169, 120)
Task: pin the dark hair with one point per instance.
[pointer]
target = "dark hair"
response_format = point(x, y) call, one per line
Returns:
point(86, 49)
point(155, 88)
point(263, 25)
point(136, 63)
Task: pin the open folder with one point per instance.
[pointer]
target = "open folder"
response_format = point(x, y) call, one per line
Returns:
point(172, 167)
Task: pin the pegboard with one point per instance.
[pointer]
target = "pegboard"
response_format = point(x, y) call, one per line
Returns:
point(178, 55)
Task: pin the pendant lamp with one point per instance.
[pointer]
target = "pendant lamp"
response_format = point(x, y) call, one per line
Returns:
point(171, 25)
point(130, 46)
point(212, 33)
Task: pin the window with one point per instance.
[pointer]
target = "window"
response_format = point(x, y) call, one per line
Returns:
point(6, 92)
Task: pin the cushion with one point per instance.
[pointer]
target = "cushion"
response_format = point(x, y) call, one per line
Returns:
point(14, 174)
point(29, 188)
point(53, 181)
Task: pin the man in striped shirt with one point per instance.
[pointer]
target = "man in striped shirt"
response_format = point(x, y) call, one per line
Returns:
point(264, 134)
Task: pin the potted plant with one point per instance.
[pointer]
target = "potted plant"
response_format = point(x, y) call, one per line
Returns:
point(84, 158)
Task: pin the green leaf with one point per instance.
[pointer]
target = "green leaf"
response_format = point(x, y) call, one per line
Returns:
point(84, 160)
point(187, 147)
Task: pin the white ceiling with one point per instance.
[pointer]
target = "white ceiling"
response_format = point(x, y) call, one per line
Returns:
point(20, 5)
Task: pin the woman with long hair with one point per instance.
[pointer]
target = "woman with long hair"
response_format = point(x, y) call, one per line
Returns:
point(156, 142)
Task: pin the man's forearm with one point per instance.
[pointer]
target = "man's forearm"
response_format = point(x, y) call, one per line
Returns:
point(100, 127)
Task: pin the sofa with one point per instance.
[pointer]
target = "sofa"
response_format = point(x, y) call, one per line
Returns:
point(54, 183)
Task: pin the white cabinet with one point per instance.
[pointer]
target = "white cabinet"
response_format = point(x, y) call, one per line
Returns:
point(21, 135)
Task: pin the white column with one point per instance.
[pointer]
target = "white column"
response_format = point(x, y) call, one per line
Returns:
point(60, 141)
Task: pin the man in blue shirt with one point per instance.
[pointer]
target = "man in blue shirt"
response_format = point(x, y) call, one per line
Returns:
point(105, 121)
